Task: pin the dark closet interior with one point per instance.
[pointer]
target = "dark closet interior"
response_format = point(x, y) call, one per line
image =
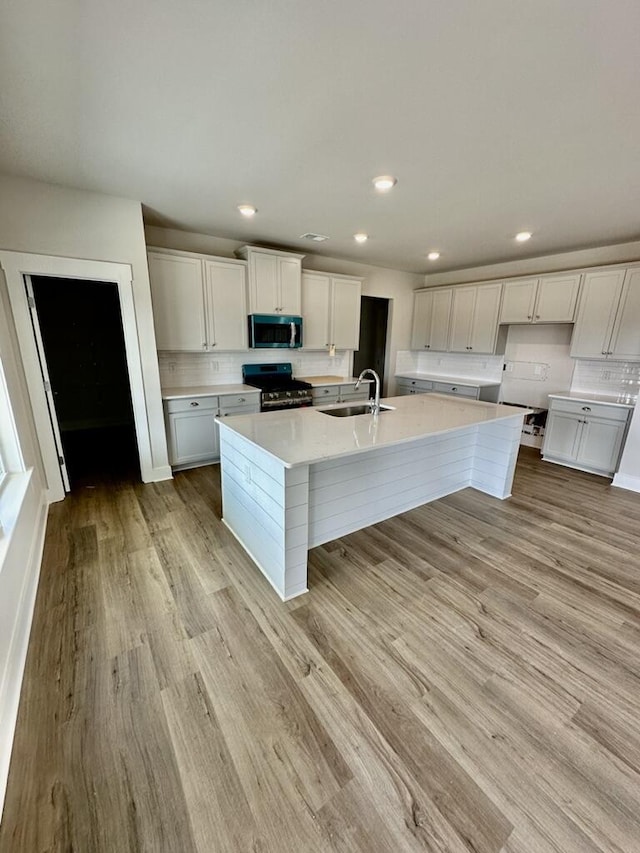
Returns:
point(83, 339)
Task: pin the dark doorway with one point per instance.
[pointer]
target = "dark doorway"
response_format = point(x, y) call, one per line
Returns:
point(83, 340)
point(374, 313)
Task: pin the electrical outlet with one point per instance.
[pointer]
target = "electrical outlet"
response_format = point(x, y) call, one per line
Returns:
point(214, 366)
point(606, 374)
point(172, 367)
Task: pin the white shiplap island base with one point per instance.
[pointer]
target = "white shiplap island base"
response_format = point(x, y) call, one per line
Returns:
point(292, 480)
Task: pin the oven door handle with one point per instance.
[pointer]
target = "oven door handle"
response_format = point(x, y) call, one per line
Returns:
point(292, 342)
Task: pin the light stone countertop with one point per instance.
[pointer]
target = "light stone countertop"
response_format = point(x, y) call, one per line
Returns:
point(628, 401)
point(330, 380)
point(450, 380)
point(207, 391)
point(306, 435)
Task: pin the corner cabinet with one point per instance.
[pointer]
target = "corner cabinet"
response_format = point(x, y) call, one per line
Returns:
point(549, 299)
point(192, 432)
point(330, 311)
point(199, 302)
point(274, 280)
point(608, 321)
point(585, 435)
point(431, 318)
point(474, 318)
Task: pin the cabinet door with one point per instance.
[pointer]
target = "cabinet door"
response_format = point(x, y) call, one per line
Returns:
point(557, 298)
point(289, 286)
point(600, 443)
point(193, 437)
point(596, 314)
point(438, 328)
point(422, 310)
point(518, 301)
point(345, 313)
point(324, 394)
point(625, 342)
point(485, 318)
point(226, 305)
point(316, 296)
point(264, 291)
point(464, 299)
point(561, 436)
point(177, 295)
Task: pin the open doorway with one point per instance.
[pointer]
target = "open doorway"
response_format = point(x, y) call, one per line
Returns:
point(81, 347)
point(374, 316)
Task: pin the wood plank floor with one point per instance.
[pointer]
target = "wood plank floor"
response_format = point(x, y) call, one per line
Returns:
point(464, 677)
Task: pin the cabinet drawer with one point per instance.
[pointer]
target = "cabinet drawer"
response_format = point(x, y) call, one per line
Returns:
point(325, 394)
point(232, 401)
point(596, 410)
point(456, 390)
point(418, 386)
point(188, 404)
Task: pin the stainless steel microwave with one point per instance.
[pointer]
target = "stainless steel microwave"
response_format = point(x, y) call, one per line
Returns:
point(269, 331)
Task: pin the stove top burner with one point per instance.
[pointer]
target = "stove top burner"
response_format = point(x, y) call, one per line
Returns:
point(279, 389)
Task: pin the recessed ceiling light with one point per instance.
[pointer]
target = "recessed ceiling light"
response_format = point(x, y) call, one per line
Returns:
point(361, 237)
point(317, 238)
point(247, 210)
point(523, 236)
point(433, 256)
point(384, 183)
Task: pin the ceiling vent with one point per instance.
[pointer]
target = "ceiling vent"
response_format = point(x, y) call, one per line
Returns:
point(317, 238)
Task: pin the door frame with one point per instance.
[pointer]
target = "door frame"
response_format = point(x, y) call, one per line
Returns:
point(16, 265)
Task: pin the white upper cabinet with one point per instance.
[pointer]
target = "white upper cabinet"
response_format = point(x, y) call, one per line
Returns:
point(431, 318)
point(226, 305)
point(474, 318)
point(198, 303)
point(178, 298)
point(549, 299)
point(274, 281)
point(330, 311)
point(608, 322)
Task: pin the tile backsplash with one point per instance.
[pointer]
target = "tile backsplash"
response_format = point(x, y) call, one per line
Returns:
point(619, 378)
point(451, 364)
point(184, 370)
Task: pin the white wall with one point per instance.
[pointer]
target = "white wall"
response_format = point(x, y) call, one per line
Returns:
point(378, 281)
point(51, 220)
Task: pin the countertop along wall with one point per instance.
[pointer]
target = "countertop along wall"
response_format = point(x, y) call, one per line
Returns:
point(629, 472)
point(386, 283)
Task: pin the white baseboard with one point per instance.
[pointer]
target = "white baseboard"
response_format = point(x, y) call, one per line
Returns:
point(32, 532)
point(155, 475)
point(626, 481)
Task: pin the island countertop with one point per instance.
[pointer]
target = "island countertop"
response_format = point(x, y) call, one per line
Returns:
point(306, 435)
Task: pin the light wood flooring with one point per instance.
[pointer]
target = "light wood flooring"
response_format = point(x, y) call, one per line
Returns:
point(464, 677)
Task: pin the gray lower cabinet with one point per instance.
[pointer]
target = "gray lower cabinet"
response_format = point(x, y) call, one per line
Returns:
point(413, 386)
point(324, 395)
point(585, 435)
point(192, 432)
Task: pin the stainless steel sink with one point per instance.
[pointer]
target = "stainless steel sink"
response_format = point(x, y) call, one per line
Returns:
point(349, 411)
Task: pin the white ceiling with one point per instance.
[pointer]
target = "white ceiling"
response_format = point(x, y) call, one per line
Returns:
point(495, 116)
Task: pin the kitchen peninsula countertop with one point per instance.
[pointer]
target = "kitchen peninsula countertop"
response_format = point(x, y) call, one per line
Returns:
point(628, 401)
point(307, 435)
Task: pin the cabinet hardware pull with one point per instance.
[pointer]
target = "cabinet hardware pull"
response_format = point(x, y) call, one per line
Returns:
point(586, 408)
point(454, 388)
point(537, 316)
point(204, 346)
point(242, 400)
point(212, 345)
point(194, 403)
point(604, 352)
point(529, 317)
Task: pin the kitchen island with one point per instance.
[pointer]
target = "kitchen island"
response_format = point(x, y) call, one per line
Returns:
point(292, 480)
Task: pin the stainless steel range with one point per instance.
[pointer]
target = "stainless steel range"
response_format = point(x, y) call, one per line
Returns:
point(279, 389)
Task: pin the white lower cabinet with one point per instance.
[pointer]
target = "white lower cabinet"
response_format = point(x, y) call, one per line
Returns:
point(324, 395)
point(192, 432)
point(585, 435)
point(413, 386)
